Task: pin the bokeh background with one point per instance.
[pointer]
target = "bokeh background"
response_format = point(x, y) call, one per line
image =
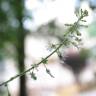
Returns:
point(26, 29)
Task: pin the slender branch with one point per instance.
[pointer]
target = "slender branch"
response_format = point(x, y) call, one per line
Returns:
point(70, 31)
point(19, 75)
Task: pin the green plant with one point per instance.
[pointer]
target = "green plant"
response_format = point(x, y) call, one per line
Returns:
point(71, 36)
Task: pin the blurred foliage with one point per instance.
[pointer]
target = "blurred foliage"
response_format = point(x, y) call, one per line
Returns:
point(12, 34)
point(8, 24)
point(51, 29)
point(85, 53)
point(92, 29)
point(92, 4)
point(10, 13)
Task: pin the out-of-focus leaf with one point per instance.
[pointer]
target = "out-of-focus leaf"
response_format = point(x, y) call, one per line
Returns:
point(92, 30)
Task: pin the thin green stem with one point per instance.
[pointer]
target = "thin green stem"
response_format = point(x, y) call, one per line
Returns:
point(28, 70)
point(70, 30)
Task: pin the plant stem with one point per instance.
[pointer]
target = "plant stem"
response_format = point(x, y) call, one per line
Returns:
point(70, 30)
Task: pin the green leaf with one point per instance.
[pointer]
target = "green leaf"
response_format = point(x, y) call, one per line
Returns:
point(33, 76)
point(83, 20)
point(53, 46)
point(44, 61)
point(78, 33)
point(78, 39)
point(85, 13)
point(68, 24)
point(34, 65)
point(48, 72)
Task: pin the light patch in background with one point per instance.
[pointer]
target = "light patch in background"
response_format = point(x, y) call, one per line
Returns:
point(35, 47)
point(87, 75)
point(42, 13)
point(31, 4)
